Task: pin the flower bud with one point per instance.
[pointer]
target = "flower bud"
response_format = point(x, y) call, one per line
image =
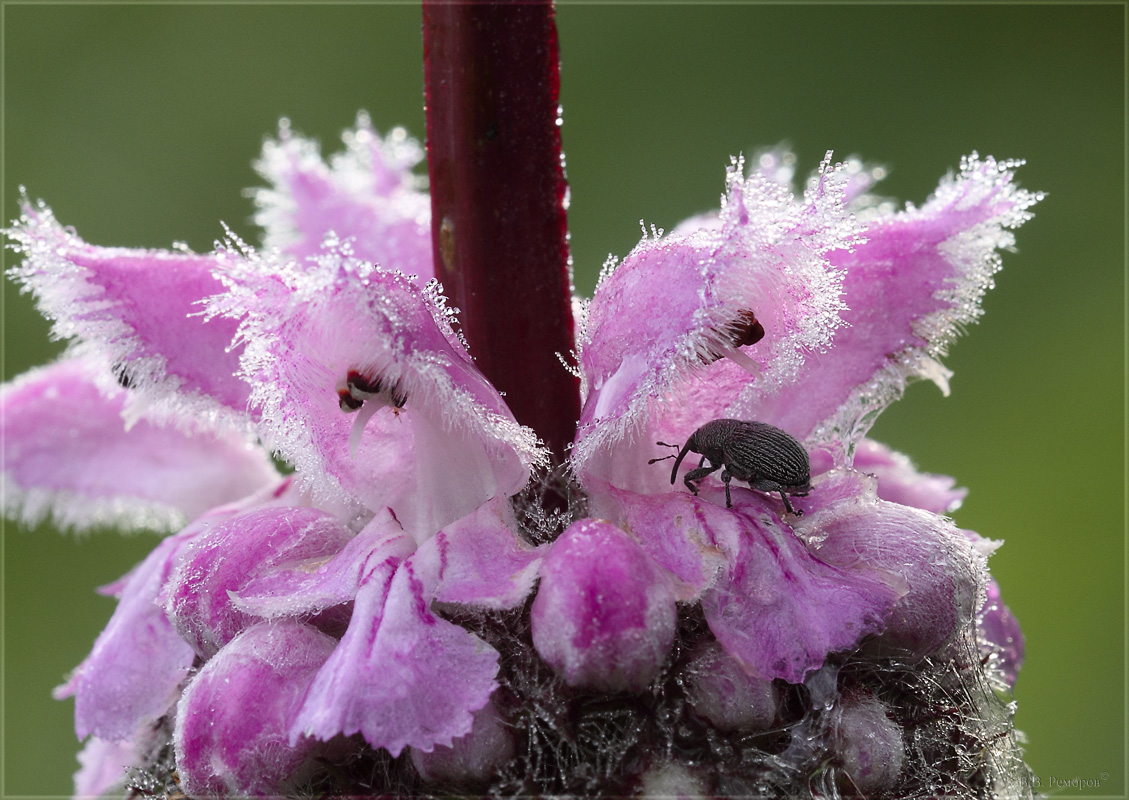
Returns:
point(604, 615)
point(232, 723)
point(471, 758)
point(868, 745)
point(722, 692)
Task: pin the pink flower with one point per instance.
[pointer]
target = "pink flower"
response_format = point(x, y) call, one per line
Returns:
point(811, 317)
point(375, 601)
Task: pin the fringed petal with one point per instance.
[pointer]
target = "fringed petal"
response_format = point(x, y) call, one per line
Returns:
point(900, 482)
point(102, 767)
point(1000, 635)
point(675, 532)
point(367, 195)
point(232, 724)
point(400, 676)
point(364, 386)
point(133, 674)
point(689, 323)
point(140, 312)
point(69, 454)
point(910, 290)
point(233, 552)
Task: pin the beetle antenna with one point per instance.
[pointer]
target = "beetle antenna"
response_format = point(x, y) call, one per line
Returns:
point(664, 458)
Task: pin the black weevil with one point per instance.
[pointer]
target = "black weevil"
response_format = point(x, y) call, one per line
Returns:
point(762, 455)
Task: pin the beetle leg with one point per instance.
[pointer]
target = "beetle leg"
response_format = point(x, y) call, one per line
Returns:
point(726, 478)
point(788, 506)
point(695, 475)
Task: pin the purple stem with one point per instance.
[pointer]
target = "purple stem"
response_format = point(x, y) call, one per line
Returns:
point(492, 80)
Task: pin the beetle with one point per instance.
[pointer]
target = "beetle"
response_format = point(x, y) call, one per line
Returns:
point(762, 455)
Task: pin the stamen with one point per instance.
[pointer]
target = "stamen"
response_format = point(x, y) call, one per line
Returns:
point(746, 330)
point(347, 402)
point(363, 416)
point(743, 361)
point(358, 388)
point(743, 331)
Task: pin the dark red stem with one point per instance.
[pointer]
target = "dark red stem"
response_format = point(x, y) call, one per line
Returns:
point(492, 81)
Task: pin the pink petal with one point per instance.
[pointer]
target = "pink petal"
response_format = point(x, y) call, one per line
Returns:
point(692, 544)
point(133, 674)
point(367, 194)
point(479, 560)
point(900, 482)
point(432, 439)
point(661, 324)
point(232, 724)
point(69, 454)
point(910, 289)
point(138, 309)
point(230, 554)
point(604, 615)
point(939, 571)
point(102, 766)
point(1000, 635)
point(325, 581)
point(781, 608)
point(400, 676)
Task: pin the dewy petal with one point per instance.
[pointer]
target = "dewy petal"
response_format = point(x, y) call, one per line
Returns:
point(400, 676)
point(910, 289)
point(781, 608)
point(131, 676)
point(335, 334)
point(479, 560)
point(232, 724)
point(321, 582)
point(942, 574)
point(139, 310)
point(367, 194)
point(900, 482)
point(234, 552)
point(998, 633)
point(102, 766)
point(687, 322)
point(138, 662)
point(1000, 636)
point(69, 454)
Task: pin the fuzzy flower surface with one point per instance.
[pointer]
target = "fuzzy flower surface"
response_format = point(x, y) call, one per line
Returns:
point(393, 618)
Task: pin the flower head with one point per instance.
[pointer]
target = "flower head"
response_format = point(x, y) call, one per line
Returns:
point(391, 595)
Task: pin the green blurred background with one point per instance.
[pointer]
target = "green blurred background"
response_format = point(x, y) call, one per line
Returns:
point(138, 125)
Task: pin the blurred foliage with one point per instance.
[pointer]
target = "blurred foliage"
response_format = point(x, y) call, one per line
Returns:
point(138, 123)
